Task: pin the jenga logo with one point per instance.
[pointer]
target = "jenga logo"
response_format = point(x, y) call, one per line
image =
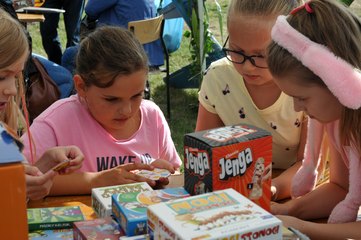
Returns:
point(235, 166)
point(197, 161)
point(227, 133)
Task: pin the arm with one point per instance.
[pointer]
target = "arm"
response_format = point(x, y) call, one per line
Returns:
point(281, 185)
point(324, 231)
point(207, 120)
point(83, 182)
point(320, 202)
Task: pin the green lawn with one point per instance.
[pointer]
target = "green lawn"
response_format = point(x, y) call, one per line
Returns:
point(184, 102)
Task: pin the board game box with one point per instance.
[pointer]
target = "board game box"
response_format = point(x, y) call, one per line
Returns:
point(223, 214)
point(63, 234)
point(54, 217)
point(130, 209)
point(102, 197)
point(238, 157)
point(100, 228)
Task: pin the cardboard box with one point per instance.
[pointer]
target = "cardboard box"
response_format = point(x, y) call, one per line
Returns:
point(130, 209)
point(53, 217)
point(235, 157)
point(63, 234)
point(13, 221)
point(101, 228)
point(102, 197)
point(223, 214)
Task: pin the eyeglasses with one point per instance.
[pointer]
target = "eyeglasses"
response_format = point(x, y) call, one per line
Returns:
point(240, 58)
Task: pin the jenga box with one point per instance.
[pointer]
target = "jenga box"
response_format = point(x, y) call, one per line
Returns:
point(237, 157)
point(102, 197)
point(130, 209)
point(223, 214)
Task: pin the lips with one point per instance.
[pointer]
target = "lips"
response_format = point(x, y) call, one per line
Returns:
point(3, 105)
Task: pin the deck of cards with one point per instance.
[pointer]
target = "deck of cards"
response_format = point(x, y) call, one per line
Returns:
point(155, 175)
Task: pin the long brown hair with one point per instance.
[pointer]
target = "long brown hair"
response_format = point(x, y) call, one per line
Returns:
point(335, 26)
point(13, 45)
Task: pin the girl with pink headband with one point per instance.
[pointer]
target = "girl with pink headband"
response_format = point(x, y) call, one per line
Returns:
point(315, 58)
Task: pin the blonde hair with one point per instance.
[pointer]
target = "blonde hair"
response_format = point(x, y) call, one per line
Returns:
point(342, 37)
point(261, 8)
point(13, 45)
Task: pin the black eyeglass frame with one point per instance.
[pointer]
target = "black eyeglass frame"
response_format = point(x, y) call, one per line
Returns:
point(246, 57)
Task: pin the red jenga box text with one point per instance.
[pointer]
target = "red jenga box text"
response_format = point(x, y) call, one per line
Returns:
point(238, 157)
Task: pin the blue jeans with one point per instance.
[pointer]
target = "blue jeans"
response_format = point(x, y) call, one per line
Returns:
point(48, 28)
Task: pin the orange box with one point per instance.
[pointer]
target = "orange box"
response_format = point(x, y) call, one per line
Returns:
point(13, 217)
point(237, 157)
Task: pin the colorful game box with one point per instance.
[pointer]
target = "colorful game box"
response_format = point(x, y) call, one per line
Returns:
point(130, 209)
point(102, 197)
point(54, 217)
point(100, 228)
point(63, 234)
point(223, 214)
point(238, 157)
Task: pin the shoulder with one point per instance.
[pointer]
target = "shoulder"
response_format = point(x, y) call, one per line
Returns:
point(62, 108)
point(150, 108)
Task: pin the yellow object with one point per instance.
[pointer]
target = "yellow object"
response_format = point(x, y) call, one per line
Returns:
point(38, 3)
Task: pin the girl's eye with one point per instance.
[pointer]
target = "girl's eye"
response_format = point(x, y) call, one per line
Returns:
point(110, 99)
point(140, 95)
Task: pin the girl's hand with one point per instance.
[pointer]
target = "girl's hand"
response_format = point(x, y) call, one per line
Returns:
point(289, 221)
point(163, 164)
point(280, 208)
point(37, 184)
point(56, 155)
point(122, 175)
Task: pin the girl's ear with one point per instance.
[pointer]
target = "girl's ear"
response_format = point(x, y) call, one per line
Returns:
point(79, 85)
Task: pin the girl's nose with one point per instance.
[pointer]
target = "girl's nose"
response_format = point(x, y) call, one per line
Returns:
point(125, 108)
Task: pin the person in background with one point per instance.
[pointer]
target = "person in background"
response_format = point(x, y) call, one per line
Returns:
point(14, 52)
point(318, 65)
point(119, 13)
point(48, 28)
point(117, 129)
point(239, 88)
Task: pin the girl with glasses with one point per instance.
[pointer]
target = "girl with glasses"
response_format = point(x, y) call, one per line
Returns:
point(240, 88)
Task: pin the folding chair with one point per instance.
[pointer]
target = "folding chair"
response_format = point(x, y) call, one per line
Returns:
point(150, 30)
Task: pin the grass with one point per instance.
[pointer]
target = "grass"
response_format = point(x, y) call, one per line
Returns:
point(184, 102)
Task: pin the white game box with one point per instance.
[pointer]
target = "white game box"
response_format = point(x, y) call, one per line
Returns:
point(223, 214)
point(102, 197)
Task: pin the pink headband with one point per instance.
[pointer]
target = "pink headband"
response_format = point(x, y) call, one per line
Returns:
point(342, 79)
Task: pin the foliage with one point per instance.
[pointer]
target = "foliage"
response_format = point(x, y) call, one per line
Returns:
point(198, 49)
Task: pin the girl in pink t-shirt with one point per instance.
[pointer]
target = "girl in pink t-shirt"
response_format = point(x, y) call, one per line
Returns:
point(108, 119)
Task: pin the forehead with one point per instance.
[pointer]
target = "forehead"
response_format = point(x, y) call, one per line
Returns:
point(126, 84)
point(250, 32)
point(15, 67)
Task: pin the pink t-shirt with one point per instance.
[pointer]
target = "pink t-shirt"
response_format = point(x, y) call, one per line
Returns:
point(68, 122)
